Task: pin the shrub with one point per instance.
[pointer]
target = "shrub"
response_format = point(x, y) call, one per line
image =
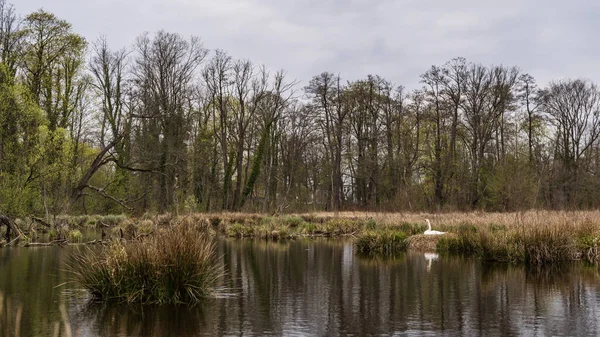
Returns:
point(176, 266)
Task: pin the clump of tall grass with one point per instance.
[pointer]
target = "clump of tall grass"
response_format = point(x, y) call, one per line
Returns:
point(75, 236)
point(292, 221)
point(381, 242)
point(411, 228)
point(534, 245)
point(238, 230)
point(176, 266)
point(589, 246)
point(58, 233)
point(342, 226)
point(113, 219)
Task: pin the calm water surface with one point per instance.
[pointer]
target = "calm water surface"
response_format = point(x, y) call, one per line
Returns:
point(320, 288)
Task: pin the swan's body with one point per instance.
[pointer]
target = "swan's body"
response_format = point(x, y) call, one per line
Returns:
point(430, 232)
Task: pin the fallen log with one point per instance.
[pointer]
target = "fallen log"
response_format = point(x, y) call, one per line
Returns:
point(10, 226)
point(63, 243)
point(44, 244)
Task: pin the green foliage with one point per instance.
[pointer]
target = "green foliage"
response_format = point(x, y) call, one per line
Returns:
point(256, 164)
point(75, 236)
point(21, 147)
point(58, 233)
point(512, 185)
point(309, 228)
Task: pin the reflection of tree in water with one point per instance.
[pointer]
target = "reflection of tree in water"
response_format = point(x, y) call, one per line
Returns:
point(322, 288)
point(29, 276)
point(559, 298)
point(123, 320)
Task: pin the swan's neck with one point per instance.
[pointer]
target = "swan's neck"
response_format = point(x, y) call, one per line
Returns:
point(428, 225)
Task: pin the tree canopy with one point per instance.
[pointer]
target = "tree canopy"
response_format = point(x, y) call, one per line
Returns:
point(169, 125)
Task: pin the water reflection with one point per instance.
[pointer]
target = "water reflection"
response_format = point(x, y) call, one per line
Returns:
point(320, 287)
point(430, 257)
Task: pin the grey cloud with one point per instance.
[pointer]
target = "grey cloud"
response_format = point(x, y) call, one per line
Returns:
point(395, 39)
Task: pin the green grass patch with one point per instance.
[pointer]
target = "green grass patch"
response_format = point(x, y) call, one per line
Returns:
point(75, 236)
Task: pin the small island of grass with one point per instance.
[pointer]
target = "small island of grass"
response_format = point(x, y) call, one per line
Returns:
point(175, 266)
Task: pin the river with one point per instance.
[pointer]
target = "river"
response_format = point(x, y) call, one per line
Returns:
point(316, 287)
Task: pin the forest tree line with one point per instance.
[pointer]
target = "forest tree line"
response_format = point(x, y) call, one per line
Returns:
point(167, 125)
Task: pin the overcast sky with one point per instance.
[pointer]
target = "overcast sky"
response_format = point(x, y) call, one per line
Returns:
point(397, 39)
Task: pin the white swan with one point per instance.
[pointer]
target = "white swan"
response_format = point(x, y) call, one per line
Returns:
point(430, 232)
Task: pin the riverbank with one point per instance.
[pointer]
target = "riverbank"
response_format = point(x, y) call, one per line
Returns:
point(535, 237)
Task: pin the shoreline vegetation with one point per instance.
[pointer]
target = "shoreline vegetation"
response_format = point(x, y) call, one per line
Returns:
point(168, 259)
point(534, 237)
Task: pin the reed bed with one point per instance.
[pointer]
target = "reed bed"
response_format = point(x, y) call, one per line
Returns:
point(536, 237)
point(533, 237)
point(175, 266)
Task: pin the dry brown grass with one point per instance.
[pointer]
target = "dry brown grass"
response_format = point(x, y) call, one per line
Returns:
point(529, 218)
point(534, 236)
point(564, 219)
point(426, 243)
point(177, 265)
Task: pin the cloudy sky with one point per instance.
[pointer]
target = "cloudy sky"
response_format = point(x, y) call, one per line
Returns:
point(397, 39)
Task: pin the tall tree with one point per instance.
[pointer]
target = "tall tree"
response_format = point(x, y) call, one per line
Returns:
point(165, 67)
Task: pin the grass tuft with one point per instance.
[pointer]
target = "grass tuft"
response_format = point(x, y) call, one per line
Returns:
point(75, 236)
point(381, 242)
point(177, 266)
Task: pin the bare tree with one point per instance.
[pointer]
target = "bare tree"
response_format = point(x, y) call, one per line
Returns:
point(11, 37)
point(217, 78)
point(488, 93)
point(529, 97)
point(165, 68)
point(107, 68)
point(574, 107)
point(326, 93)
